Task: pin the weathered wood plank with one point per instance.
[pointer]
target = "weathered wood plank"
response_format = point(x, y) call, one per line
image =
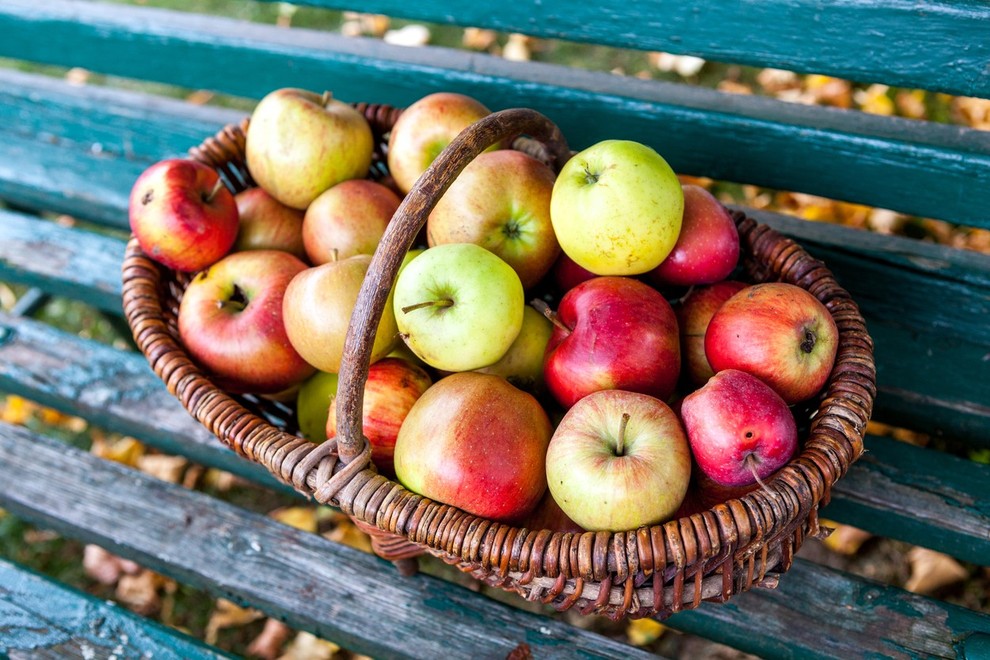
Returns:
point(886, 162)
point(41, 618)
point(311, 583)
point(859, 40)
point(927, 498)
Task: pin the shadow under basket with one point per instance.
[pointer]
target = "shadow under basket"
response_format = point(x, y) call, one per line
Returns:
point(649, 571)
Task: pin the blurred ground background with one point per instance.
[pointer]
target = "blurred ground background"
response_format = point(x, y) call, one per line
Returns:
point(248, 632)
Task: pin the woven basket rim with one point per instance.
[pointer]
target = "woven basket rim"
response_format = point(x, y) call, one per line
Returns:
point(654, 570)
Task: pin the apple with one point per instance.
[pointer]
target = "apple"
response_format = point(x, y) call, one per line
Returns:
point(567, 274)
point(501, 201)
point(300, 144)
point(475, 442)
point(618, 460)
point(616, 208)
point(392, 387)
point(612, 333)
point(707, 248)
point(522, 364)
point(182, 215)
point(777, 332)
point(458, 306)
point(268, 224)
point(347, 219)
point(313, 405)
point(693, 314)
point(549, 515)
point(230, 321)
point(740, 430)
point(318, 305)
point(424, 129)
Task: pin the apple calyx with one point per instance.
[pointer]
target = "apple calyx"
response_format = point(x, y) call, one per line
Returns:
point(620, 441)
point(810, 339)
point(590, 177)
point(237, 302)
point(207, 198)
point(551, 315)
point(442, 302)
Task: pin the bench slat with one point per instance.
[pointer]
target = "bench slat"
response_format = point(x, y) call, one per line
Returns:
point(931, 499)
point(313, 584)
point(859, 40)
point(881, 161)
point(41, 618)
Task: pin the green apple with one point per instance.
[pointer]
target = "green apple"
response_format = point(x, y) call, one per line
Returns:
point(617, 208)
point(522, 364)
point(313, 405)
point(458, 306)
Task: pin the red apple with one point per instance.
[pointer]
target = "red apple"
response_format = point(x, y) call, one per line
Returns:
point(230, 321)
point(549, 515)
point(347, 219)
point(618, 460)
point(740, 430)
point(693, 314)
point(268, 224)
point(476, 442)
point(567, 274)
point(182, 215)
point(393, 386)
point(778, 332)
point(707, 248)
point(612, 333)
point(501, 201)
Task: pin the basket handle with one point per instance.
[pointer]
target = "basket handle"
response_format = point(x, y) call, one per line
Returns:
point(405, 225)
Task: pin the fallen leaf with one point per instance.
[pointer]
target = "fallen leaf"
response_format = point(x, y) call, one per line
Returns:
point(125, 450)
point(300, 517)
point(347, 533)
point(774, 81)
point(875, 100)
point(911, 103)
point(140, 592)
point(971, 111)
point(931, 571)
point(644, 631)
point(105, 567)
point(163, 467)
point(77, 76)
point(269, 643)
point(227, 614)
point(16, 410)
point(479, 38)
point(200, 97)
point(845, 539)
point(517, 48)
point(306, 646)
point(408, 35)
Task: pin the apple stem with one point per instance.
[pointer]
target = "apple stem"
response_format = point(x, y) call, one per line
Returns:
point(327, 97)
point(443, 302)
point(544, 309)
point(751, 462)
point(620, 443)
point(678, 301)
point(335, 255)
point(213, 193)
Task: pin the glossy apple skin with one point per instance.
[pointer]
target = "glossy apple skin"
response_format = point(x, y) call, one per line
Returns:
point(778, 332)
point(318, 305)
point(522, 364)
point(230, 321)
point(623, 335)
point(313, 401)
point(393, 386)
point(476, 442)
point(300, 143)
point(347, 219)
point(707, 248)
point(600, 487)
point(178, 216)
point(501, 201)
point(567, 274)
point(693, 315)
point(268, 224)
point(616, 208)
point(736, 425)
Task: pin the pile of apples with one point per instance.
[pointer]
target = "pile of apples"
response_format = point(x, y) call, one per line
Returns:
point(530, 366)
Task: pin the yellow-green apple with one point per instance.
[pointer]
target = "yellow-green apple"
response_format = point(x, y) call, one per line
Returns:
point(268, 224)
point(182, 215)
point(458, 306)
point(501, 201)
point(567, 274)
point(313, 405)
point(618, 460)
point(522, 364)
point(693, 314)
point(300, 143)
point(739, 429)
point(612, 333)
point(476, 442)
point(230, 320)
point(392, 387)
point(777, 332)
point(318, 305)
point(347, 219)
point(707, 248)
point(424, 129)
point(616, 208)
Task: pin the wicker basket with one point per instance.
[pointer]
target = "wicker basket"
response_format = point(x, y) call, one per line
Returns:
point(653, 570)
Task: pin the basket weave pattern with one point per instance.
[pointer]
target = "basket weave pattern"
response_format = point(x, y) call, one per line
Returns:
point(654, 570)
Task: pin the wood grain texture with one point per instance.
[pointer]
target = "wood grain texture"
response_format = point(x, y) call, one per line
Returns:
point(313, 584)
point(916, 167)
point(41, 618)
point(858, 39)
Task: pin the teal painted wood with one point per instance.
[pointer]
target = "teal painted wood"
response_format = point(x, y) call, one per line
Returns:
point(331, 590)
point(915, 167)
point(41, 618)
point(860, 40)
point(929, 499)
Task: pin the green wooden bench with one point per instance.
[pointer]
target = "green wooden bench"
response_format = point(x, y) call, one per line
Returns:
point(68, 149)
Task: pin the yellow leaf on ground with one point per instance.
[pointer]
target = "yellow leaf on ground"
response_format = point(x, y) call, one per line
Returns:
point(228, 615)
point(15, 410)
point(930, 571)
point(162, 466)
point(644, 631)
point(845, 539)
point(874, 100)
point(124, 450)
point(104, 567)
point(140, 592)
point(300, 517)
point(347, 533)
point(269, 643)
point(306, 646)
